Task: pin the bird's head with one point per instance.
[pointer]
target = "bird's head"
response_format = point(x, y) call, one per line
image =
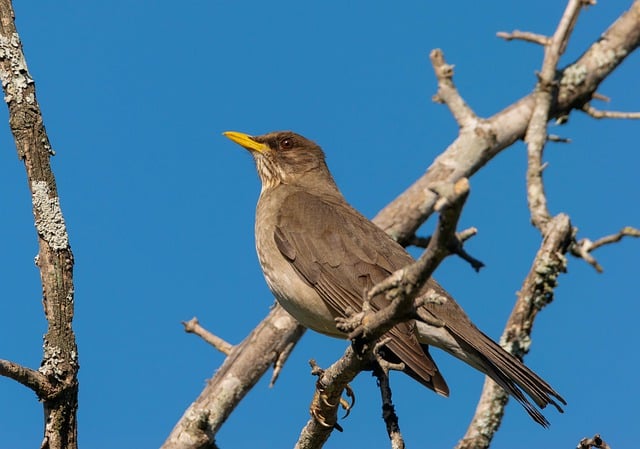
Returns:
point(283, 157)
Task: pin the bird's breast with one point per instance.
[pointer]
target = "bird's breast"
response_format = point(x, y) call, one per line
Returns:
point(292, 292)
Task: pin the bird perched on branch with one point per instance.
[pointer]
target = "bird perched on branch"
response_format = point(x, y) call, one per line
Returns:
point(318, 254)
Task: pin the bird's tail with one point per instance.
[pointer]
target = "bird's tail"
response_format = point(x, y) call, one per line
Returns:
point(507, 371)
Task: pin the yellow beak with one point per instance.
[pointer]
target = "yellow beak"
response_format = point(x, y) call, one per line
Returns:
point(246, 141)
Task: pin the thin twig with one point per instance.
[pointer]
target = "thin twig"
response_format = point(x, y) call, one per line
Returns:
point(559, 139)
point(536, 135)
point(526, 36)
point(585, 247)
point(447, 92)
point(597, 113)
point(388, 410)
point(457, 247)
point(193, 327)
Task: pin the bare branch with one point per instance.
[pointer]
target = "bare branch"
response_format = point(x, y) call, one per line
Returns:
point(555, 138)
point(388, 410)
point(536, 135)
point(55, 259)
point(240, 371)
point(473, 148)
point(286, 348)
point(457, 247)
point(447, 92)
point(32, 379)
point(596, 441)
point(584, 247)
point(601, 97)
point(193, 327)
point(537, 291)
point(596, 113)
point(526, 36)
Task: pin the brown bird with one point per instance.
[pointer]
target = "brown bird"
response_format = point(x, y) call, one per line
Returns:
point(318, 254)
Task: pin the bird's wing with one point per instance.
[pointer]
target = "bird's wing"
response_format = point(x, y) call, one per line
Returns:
point(345, 255)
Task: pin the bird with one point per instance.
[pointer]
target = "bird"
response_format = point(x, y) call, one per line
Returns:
point(318, 254)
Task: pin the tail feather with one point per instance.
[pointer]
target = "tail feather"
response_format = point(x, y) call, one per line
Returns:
point(510, 373)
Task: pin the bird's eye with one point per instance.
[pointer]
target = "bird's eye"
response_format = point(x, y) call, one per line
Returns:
point(286, 143)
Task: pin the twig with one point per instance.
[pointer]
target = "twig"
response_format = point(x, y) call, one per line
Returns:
point(457, 247)
point(536, 135)
point(388, 410)
point(447, 92)
point(536, 292)
point(526, 36)
point(584, 247)
point(32, 379)
point(601, 97)
point(241, 370)
point(193, 327)
point(596, 113)
point(555, 138)
point(284, 352)
point(596, 441)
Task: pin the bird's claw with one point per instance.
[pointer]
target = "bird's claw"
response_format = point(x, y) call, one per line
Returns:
point(321, 402)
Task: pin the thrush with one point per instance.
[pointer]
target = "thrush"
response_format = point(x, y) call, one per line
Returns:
point(318, 254)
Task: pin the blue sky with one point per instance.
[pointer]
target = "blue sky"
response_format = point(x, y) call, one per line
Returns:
point(159, 206)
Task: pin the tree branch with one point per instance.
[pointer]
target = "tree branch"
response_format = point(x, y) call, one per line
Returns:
point(388, 410)
point(193, 327)
point(243, 367)
point(55, 259)
point(31, 379)
point(596, 113)
point(584, 247)
point(536, 292)
point(473, 148)
point(536, 135)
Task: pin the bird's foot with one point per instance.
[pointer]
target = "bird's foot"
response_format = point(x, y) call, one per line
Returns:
point(323, 406)
point(352, 320)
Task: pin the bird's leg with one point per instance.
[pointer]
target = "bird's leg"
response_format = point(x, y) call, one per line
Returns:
point(321, 401)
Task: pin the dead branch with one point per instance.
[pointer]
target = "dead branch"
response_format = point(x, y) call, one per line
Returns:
point(474, 147)
point(536, 292)
point(596, 113)
point(584, 247)
point(524, 36)
point(244, 366)
point(193, 327)
point(388, 410)
point(536, 135)
point(55, 260)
